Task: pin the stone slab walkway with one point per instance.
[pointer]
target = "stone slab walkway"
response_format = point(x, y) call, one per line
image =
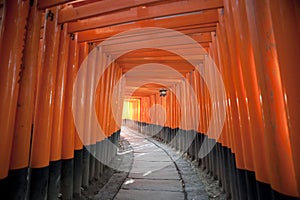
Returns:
point(158, 172)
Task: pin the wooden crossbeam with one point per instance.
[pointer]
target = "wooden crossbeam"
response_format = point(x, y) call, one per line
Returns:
point(43, 4)
point(70, 13)
point(139, 13)
point(184, 24)
point(152, 36)
point(157, 52)
point(178, 66)
point(158, 58)
point(114, 50)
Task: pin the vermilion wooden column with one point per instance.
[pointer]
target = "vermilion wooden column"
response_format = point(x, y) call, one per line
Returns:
point(121, 97)
point(83, 93)
point(90, 106)
point(273, 98)
point(59, 100)
point(99, 96)
point(14, 23)
point(234, 112)
point(253, 92)
point(285, 17)
point(25, 109)
point(239, 88)
point(68, 126)
point(106, 100)
point(102, 96)
point(111, 87)
point(41, 141)
point(68, 60)
point(78, 146)
point(234, 136)
point(45, 96)
point(58, 112)
point(105, 125)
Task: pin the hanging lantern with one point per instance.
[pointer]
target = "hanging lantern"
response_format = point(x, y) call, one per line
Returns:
point(163, 92)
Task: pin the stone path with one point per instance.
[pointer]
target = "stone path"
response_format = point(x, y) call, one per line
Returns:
point(157, 172)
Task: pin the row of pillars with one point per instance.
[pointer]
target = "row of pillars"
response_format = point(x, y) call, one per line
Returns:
point(255, 49)
point(42, 155)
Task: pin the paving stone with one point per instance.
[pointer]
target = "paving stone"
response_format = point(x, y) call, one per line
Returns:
point(148, 195)
point(150, 184)
point(168, 172)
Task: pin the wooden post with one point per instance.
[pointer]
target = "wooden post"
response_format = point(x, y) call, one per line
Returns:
point(25, 109)
point(272, 98)
point(41, 141)
point(285, 19)
point(15, 20)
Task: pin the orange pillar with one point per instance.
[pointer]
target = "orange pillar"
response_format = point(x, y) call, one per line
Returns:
point(239, 88)
point(81, 112)
point(232, 117)
point(233, 114)
point(106, 101)
point(27, 90)
point(273, 98)
point(285, 17)
point(102, 96)
point(68, 138)
point(77, 54)
point(10, 66)
point(41, 139)
point(45, 96)
point(253, 93)
point(81, 93)
point(59, 100)
point(69, 172)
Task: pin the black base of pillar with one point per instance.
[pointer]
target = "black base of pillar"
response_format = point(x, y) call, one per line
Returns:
point(85, 167)
point(242, 185)
point(77, 179)
point(4, 188)
point(278, 196)
point(54, 180)
point(17, 184)
point(264, 191)
point(38, 185)
point(67, 179)
point(92, 162)
point(251, 185)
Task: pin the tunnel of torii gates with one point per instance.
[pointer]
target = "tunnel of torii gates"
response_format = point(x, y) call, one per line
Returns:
point(230, 68)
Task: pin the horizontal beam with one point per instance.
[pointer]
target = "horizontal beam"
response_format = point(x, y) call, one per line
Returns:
point(173, 63)
point(70, 13)
point(148, 53)
point(98, 37)
point(137, 14)
point(180, 67)
point(187, 49)
point(181, 71)
point(157, 52)
point(158, 58)
point(43, 4)
point(152, 36)
point(184, 24)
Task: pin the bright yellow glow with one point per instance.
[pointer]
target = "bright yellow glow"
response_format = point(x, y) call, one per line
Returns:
point(131, 109)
